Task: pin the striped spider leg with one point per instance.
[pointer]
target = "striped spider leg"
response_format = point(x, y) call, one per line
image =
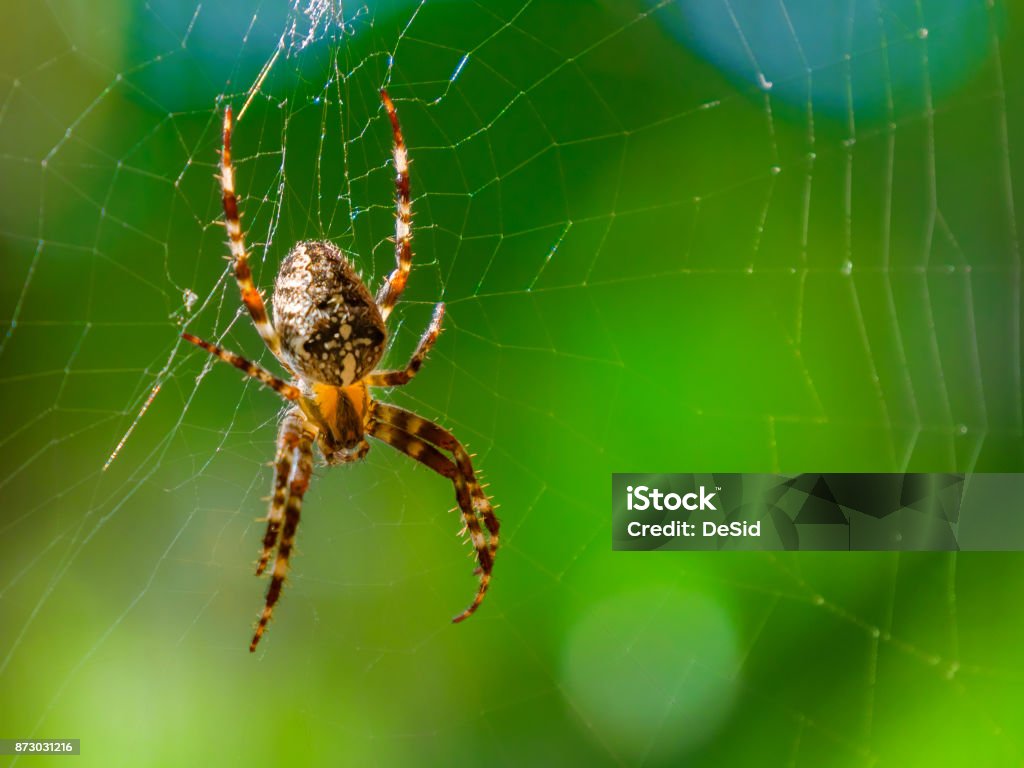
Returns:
point(293, 470)
point(392, 288)
point(423, 441)
point(236, 240)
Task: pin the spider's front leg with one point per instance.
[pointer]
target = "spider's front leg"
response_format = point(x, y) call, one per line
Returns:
point(294, 430)
point(420, 439)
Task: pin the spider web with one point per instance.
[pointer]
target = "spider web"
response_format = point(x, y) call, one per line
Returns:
point(729, 236)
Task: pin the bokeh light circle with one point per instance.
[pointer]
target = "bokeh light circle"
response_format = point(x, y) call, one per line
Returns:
point(652, 672)
point(888, 58)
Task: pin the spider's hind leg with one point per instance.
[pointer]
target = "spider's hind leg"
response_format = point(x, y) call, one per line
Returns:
point(236, 239)
point(392, 288)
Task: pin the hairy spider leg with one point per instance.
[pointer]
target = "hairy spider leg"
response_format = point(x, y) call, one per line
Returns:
point(418, 438)
point(392, 288)
point(404, 376)
point(297, 485)
point(283, 388)
point(233, 221)
point(287, 442)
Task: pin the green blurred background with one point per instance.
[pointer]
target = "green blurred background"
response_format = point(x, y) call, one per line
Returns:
point(682, 237)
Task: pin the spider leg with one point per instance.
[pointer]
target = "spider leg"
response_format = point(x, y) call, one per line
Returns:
point(398, 378)
point(420, 439)
point(288, 437)
point(297, 485)
point(392, 288)
point(233, 221)
point(283, 388)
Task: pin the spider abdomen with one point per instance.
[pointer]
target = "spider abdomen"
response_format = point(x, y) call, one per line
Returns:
point(331, 329)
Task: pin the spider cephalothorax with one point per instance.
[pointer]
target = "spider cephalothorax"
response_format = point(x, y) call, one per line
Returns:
point(329, 333)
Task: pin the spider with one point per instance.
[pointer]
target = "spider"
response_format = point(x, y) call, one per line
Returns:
point(329, 333)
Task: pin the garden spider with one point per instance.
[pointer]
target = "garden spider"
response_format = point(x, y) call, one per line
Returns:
point(329, 333)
